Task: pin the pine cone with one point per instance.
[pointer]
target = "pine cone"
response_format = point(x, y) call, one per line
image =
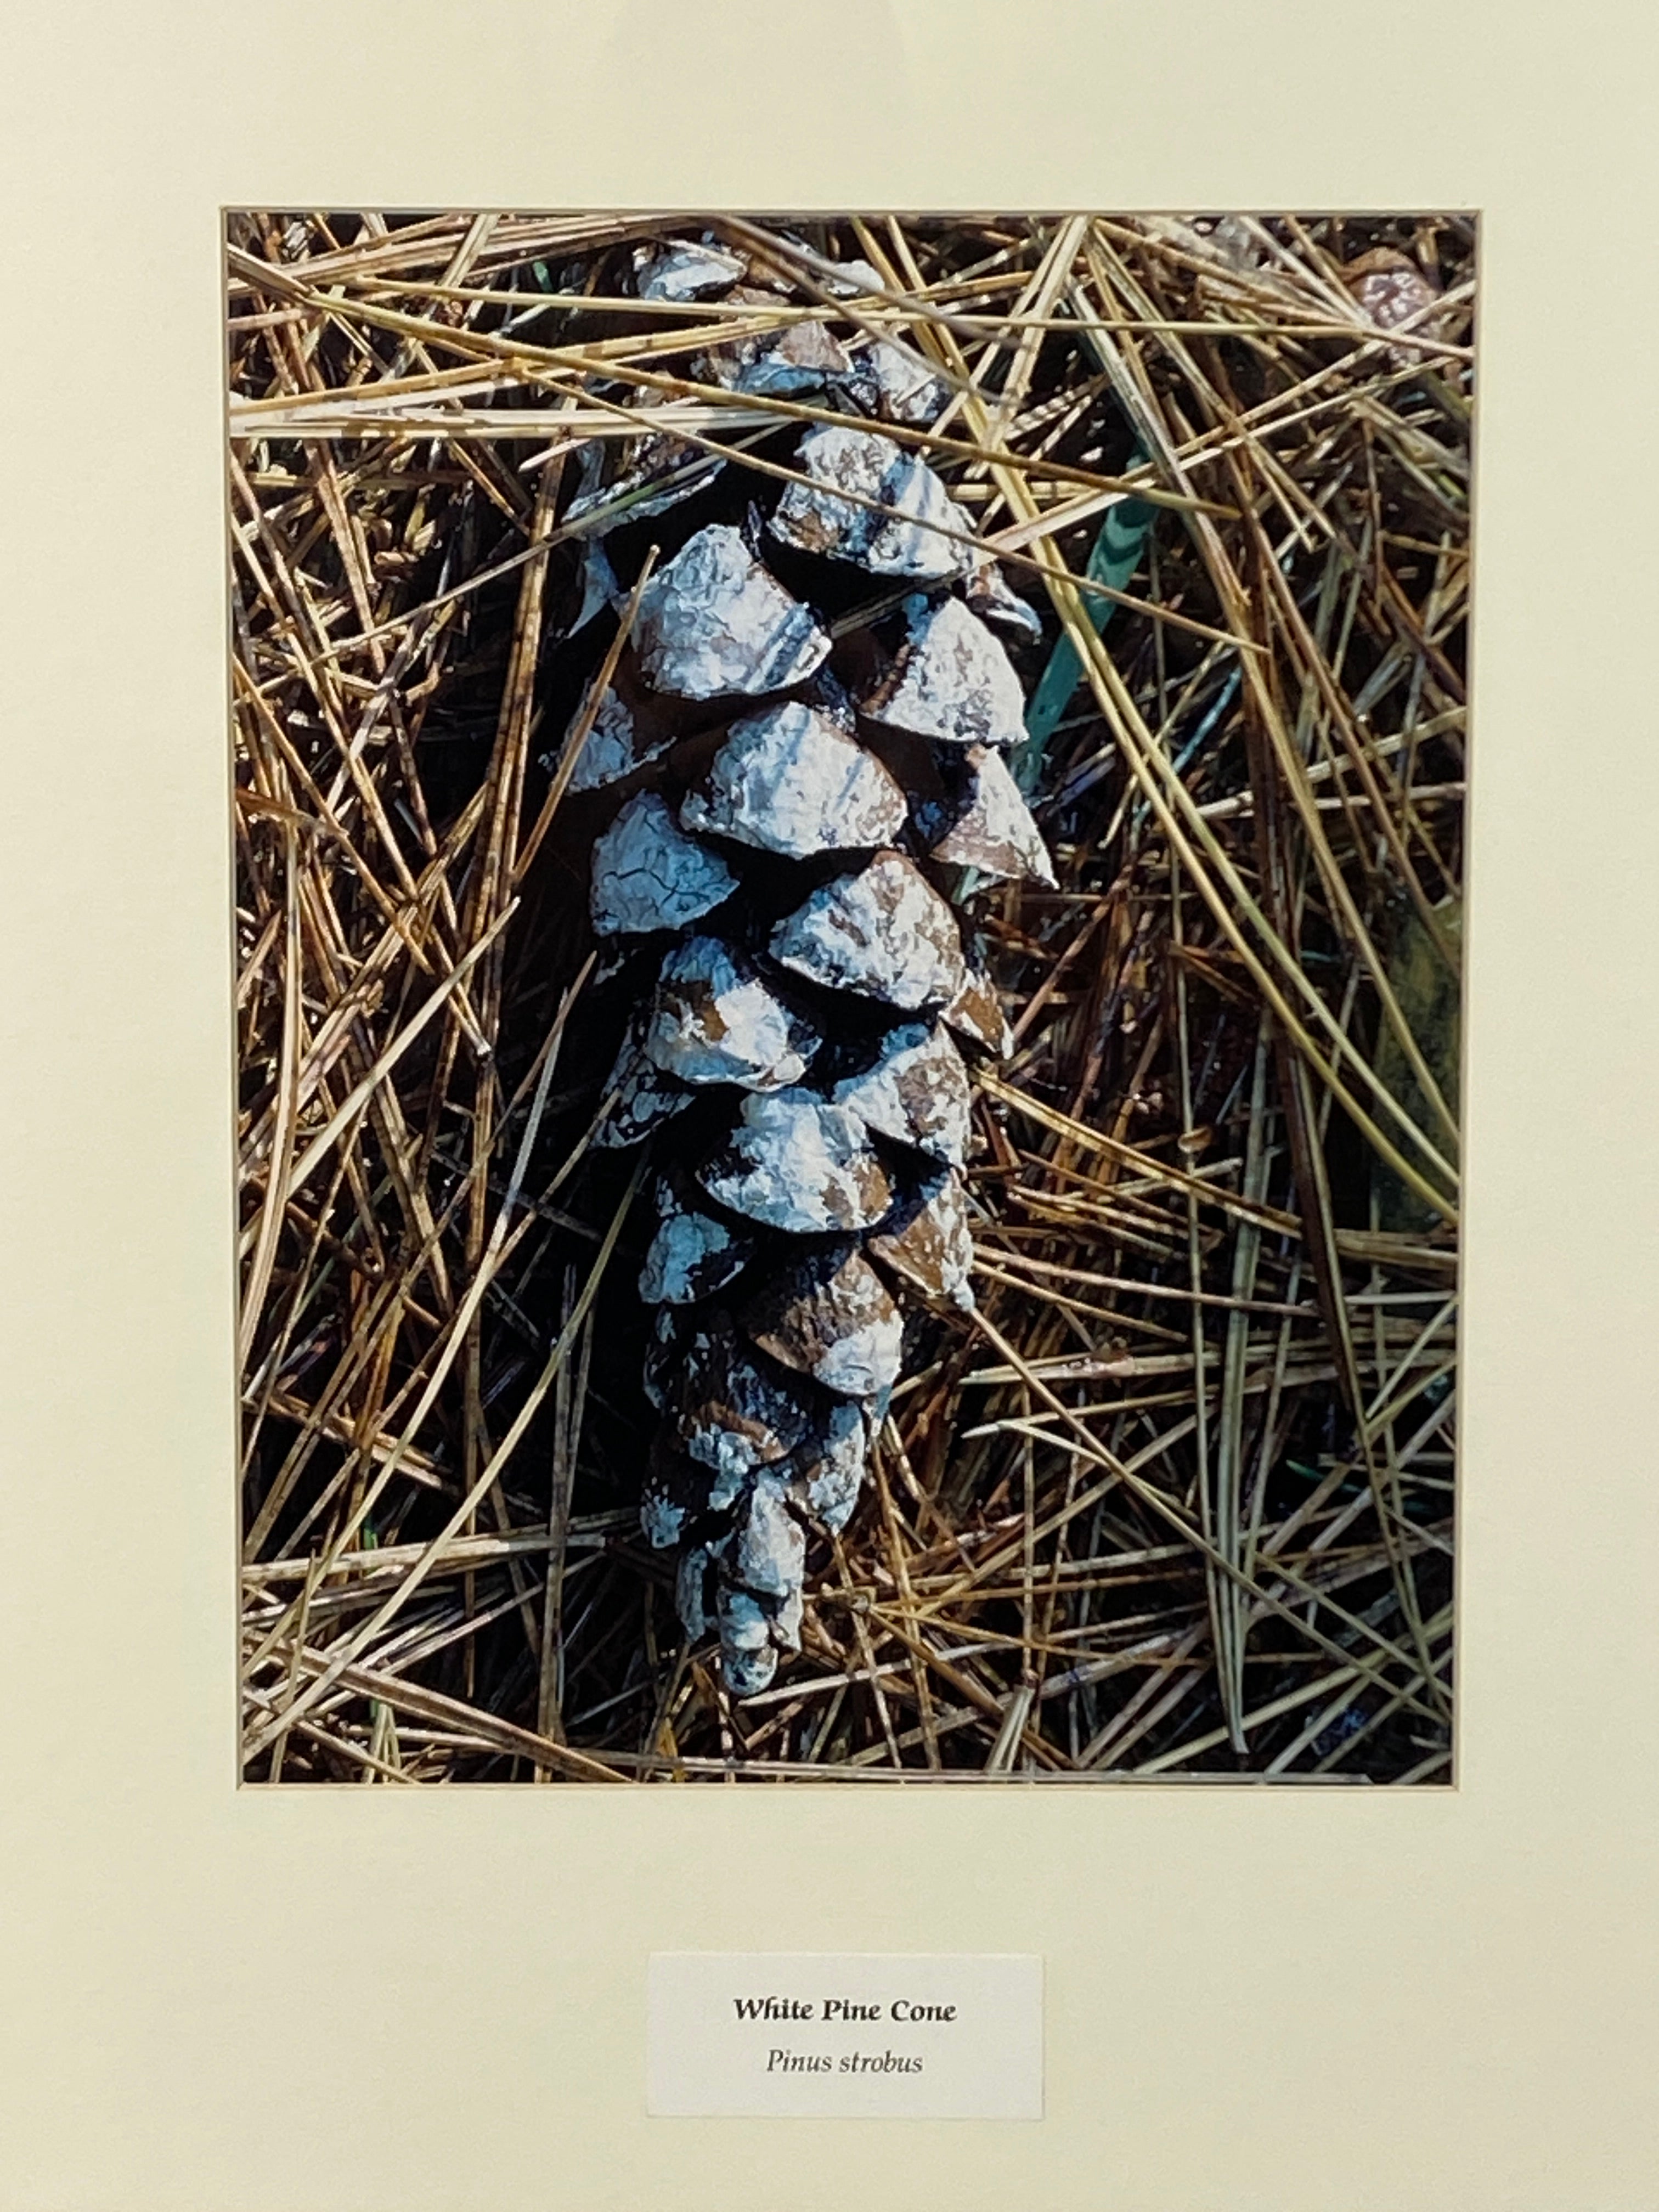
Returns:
point(797, 1054)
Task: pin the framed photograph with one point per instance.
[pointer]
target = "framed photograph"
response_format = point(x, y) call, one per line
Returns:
point(828, 1324)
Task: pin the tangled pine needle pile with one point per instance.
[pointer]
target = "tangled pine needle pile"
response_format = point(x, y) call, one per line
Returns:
point(592, 583)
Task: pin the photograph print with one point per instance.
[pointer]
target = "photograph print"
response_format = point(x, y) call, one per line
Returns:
point(849, 843)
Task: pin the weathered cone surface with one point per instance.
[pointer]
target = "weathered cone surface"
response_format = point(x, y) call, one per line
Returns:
point(831, 1318)
point(927, 1239)
point(884, 932)
point(646, 1096)
point(916, 1093)
point(988, 593)
point(617, 743)
point(714, 622)
point(693, 1254)
point(976, 1012)
point(800, 1046)
point(676, 469)
point(685, 269)
point(951, 681)
point(993, 831)
point(733, 1416)
point(795, 1162)
point(804, 357)
point(827, 1484)
point(922, 534)
point(788, 781)
point(1391, 289)
point(716, 1021)
point(889, 381)
point(648, 875)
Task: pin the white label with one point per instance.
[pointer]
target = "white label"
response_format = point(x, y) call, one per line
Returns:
point(862, 2035)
